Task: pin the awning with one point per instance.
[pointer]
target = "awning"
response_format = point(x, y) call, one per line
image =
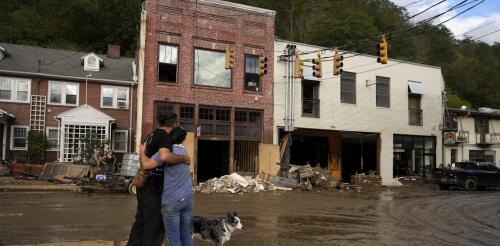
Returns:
point(6, 115)
point(416, 87)
point(85, 115)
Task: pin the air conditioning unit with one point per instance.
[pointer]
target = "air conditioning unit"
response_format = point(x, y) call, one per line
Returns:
point(122, 104)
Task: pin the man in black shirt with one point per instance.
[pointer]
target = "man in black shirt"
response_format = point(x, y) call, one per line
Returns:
point(148, 226)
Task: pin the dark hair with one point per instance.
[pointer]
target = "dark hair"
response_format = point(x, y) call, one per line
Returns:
point(167, 119)
point(178, 135)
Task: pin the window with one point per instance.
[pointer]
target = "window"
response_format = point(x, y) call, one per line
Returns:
point(252, 77)
point(414, 111)
point(453, 157)
point(215, 121)
point(72, 136)
point(248, 124)
point(482, 125)
point(185, 114)
point(53, 138)
point(186, 117)
point(482, 156)
point(114, 97)
point(63, 93)
point(310, 98)
point(14, 90)
point(348, 88)
point(209, 69)
point(383, 92)
point(463, 136)
point(119, 141)
point(167, 63)
point(19, 135)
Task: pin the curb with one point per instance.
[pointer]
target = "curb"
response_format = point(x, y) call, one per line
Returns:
point(44, 188)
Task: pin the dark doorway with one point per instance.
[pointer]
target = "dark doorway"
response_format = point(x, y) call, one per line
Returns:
point(359, 154)
point(309, 150)
point(213, 159)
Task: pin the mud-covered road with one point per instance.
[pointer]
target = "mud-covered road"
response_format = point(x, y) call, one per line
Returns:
point(400, 216)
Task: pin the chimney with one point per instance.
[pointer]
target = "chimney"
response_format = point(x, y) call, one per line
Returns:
point(113, 51)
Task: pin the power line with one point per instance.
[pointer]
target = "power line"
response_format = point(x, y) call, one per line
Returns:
point(385, 28)
point(412, 3)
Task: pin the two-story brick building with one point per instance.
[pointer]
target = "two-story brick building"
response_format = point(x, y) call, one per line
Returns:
point(383, 119)
point(230, 110)
point(49, 90)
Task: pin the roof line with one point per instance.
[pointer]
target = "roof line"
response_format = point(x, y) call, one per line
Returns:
point(55, 76)
point(361, 54)
point(240, 6)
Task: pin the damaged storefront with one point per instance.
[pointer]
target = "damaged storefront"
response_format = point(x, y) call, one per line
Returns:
point(226, 138)
point(344, 154)
point(414, 156)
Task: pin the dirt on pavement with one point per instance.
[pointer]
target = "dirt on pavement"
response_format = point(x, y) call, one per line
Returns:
point(397, 216)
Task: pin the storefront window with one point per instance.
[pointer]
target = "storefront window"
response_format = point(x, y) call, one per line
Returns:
point(414, 155)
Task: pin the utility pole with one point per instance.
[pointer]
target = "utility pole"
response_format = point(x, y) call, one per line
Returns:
point(290, 53)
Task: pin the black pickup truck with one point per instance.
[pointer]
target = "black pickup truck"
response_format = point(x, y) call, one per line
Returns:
point(469, 175)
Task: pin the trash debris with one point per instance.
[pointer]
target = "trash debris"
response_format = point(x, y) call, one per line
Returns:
point(304, 177)
point(235, 183)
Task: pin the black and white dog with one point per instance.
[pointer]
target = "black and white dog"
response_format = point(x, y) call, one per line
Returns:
point(217, 231)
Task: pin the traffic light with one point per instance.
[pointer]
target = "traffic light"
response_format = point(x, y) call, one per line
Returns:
point(337, 63)
point(317, 66)
point(299, 71)
point(382, 51)
point(229, 59)
point(262, 65)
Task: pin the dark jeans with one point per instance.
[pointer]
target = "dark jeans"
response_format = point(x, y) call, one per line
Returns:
point(148, 226)
point(177, 218)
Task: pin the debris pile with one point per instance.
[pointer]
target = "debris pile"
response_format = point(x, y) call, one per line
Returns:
point(305, 177)
point(234, 183)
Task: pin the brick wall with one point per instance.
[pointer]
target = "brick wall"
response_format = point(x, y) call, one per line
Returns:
point(40, 87)
point(189, 25)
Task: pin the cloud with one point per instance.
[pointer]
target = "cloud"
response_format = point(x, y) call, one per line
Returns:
point(463, 24)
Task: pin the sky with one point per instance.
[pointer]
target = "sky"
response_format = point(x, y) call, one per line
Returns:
point(485, 17)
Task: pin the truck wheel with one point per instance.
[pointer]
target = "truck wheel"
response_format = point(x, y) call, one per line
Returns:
point(132, 189)
point(471, 184)
point(444, 187)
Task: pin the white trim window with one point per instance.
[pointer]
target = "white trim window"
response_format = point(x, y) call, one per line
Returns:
point(63, 93)
point(114, 97)
point(119, 141)
point(53, 138)
point(15, 89)
point(19, 137)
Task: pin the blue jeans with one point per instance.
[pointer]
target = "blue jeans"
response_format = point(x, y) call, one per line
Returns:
point(177, 218)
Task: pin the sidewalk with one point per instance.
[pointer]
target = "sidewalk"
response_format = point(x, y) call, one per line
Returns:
point(81, 243)
point(12, 184)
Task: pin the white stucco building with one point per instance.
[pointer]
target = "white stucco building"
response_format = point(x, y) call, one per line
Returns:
point(380, 118)
point(472, 136)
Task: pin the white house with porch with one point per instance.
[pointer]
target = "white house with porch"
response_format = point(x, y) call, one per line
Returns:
point(76, 123)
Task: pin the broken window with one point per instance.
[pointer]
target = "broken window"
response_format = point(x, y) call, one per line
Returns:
point(248, 124)
point(215, 121)
point(252, 77)
point(167, 63)
point(310, 98)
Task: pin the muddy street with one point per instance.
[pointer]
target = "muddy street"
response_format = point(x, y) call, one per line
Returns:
point(402, 216)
